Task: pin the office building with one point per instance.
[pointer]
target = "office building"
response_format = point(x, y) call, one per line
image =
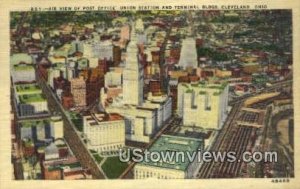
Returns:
point(42, 129)
point(188, 54)
point(171, 169)
point(203, 104)
point(78, 90)
point(98, 49)
point(113, 78)
point(163, 106)
point(30, 100)
point(133, 74)
point(23, 73)
point(55, 71)
point(104, 132)
point(140, 122)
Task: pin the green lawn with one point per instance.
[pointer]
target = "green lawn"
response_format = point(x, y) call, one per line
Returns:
point(97, 158)
point(76, 119)
point(78, 124)
point(113, 167)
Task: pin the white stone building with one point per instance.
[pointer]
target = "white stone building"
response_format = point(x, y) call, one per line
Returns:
point(139, 122)
point(57, 127)
point(104, 132)
point(29, 100)
point(142, 122)
point(56, 70)
point(41, 129)
point(23, 73)
point(98, 49)
point(133, 78)
point(113, 78)
point(203, 104)
point(163, 105)
point(188, 54)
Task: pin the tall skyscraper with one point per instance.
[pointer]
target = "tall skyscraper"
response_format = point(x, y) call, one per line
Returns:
point(133, 74)
point(188, 54)
point(78, 90)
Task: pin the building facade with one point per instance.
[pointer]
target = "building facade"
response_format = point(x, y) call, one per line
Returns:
point(133, 79)
point(104, 132)
point(188, 54)
point(43, 130)
point(171, 169)
point(29, 100)
point(203, 104)
point(23, 73)
point(139, 122)
point(163, 106)
point(78, 90)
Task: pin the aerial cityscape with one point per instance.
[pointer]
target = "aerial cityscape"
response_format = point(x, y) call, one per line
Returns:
point(89, 88)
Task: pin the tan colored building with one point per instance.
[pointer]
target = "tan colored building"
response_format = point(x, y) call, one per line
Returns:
point(78, 90)
point(223, 73)
point(177, 74)
point(251, 67)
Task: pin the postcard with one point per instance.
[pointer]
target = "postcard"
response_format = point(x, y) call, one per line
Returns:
point(184, 94)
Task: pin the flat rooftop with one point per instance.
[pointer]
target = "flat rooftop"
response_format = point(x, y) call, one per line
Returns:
point(219, 87)
point(34, 123)
point(95, 119)
point(20, 57)
point(23, 67)
point(29, 98)
point(169, 143)
point(58, 66)
point(23, 88)
point(64, 165)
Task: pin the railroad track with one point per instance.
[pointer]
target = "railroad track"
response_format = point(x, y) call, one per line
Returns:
point(231, 138)
point(208, 168)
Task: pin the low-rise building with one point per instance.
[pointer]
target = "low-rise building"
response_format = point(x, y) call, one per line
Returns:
point(31, 104)
point(171, 169)
point(30, 100)
point(18, 58)
point(64, 169)
point(98, 49)
point(251, 67)
point(23, 73)
point(42, 130)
